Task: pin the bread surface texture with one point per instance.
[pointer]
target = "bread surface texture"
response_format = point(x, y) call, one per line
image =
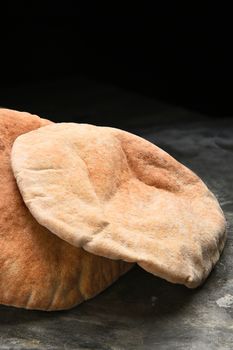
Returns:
point(39, 270)
point(119, 196)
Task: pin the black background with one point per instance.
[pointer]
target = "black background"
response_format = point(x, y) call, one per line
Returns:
point(177, 54)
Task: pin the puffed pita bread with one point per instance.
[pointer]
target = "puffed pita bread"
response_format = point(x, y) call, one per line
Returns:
point(38, 270)
point(119, 196)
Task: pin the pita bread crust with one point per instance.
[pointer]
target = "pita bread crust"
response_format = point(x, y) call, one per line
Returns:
point(119, 196)
point(38, 270)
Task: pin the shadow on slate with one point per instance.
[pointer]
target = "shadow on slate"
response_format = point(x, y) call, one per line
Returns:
point(115, 318)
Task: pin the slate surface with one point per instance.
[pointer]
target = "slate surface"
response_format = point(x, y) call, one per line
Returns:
point(141, 311)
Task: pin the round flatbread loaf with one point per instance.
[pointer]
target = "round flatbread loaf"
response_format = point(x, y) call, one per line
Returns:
point(119, 196)
point(38, 270)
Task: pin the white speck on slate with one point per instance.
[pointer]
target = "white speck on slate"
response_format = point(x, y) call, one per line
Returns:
point(226, 301)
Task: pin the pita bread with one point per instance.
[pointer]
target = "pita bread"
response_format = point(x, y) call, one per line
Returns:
point(38, 270)
point(119, 196)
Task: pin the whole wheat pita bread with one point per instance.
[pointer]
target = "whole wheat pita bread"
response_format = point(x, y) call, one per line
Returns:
point(38, 270)
point(119, 196)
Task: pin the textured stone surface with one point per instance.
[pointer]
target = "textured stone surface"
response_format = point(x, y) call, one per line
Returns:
point(141, 311)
